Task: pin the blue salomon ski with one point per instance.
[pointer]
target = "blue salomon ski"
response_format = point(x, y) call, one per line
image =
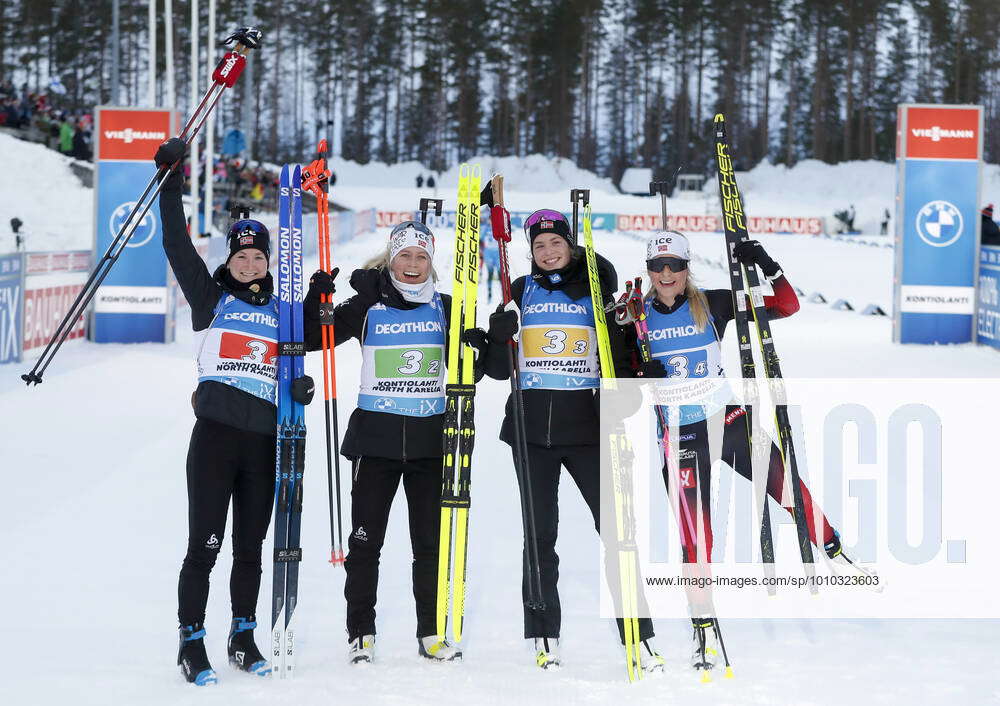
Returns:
point(291, 441)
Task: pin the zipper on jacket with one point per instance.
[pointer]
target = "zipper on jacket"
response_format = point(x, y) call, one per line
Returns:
point(548, 428)
point(404, 439)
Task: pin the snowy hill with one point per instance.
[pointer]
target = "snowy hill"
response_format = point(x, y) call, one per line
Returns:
point(37, 186)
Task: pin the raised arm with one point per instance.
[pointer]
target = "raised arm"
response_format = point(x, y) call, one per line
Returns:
point(200, 290)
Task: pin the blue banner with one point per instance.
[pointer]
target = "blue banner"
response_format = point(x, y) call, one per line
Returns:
point(11, 307)
point(937, 237)
point(131, 305)
point(988, 299)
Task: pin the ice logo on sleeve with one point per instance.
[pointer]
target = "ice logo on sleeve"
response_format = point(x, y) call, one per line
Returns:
point(142, 233)
point(939, 223)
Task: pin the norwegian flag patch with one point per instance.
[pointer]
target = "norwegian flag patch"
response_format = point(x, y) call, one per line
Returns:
point(246, 240)
point(545, 225)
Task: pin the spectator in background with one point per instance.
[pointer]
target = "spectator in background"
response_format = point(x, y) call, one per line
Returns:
point(430, 182)
point(81, 142)
point(66, 135)
point(420, 181)
point(884, 226)
point(990, 234)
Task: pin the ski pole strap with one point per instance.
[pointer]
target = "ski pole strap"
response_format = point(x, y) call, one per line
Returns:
point(326, 313)
point(291, 348)
point(287, 555)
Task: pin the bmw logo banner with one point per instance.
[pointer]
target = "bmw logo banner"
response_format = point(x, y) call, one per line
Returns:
point(939, 152)
point(133, 304)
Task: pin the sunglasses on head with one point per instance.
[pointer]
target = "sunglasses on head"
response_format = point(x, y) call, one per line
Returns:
point(674, 263)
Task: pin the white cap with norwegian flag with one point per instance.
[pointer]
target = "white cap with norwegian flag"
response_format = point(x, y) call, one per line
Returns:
point(668, 243)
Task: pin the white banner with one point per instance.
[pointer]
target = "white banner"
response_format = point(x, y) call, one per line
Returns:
point(926, 299)
point(131, 300)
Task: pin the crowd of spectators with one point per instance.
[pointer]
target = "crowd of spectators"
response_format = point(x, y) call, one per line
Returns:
point(34, 115)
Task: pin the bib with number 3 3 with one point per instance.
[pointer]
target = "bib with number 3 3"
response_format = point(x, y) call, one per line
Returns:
point(558, 348)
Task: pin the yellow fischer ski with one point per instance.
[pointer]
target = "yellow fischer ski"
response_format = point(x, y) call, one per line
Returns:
point(620, 455)
point(459, 424)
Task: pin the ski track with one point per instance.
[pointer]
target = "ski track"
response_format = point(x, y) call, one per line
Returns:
point(95, 529)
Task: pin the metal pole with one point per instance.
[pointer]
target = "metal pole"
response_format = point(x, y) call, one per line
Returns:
point(195, 211)
point(209, 131)
point(116, 75)
point(248, 88)
point(168, 47)
point(151, 95)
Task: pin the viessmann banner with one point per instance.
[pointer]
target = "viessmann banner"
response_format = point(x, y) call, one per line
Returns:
point(132, 305)
point(938, 165)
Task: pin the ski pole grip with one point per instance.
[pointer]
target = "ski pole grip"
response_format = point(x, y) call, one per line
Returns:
point(425, 205)
point(500, 223)
point(229, 69)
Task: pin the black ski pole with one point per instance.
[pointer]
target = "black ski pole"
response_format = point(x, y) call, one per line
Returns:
point(224, 76)
point(500, 225)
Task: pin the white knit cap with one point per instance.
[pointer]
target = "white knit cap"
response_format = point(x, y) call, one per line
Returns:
point(668, 243)
point(411, 234)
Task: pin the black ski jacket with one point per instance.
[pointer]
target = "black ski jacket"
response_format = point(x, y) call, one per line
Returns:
point(561, 417)
point(381, 434)
point(212, 400)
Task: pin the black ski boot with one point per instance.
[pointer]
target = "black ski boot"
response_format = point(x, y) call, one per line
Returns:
point(192, 658)
point(243, 652)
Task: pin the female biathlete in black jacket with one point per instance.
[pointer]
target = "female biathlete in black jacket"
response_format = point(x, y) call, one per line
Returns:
point(560, 375)
point(686, 325)
point(396, 432)
point(231, 454)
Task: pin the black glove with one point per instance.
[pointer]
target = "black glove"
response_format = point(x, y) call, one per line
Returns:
point(303, 389)
point(322, 282)
point(477, 338)
point(503, 324)
point(652, 369)
point(169, 152)
point(751, 252)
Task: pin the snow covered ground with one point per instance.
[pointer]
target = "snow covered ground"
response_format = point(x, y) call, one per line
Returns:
point(94, 530)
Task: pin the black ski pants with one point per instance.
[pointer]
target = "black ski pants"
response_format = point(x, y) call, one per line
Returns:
point(224, 462)
point(584, 466)
point(374, 485)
